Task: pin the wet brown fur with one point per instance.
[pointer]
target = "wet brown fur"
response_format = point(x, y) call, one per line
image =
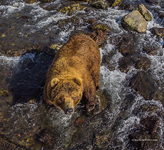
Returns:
point(79, 58)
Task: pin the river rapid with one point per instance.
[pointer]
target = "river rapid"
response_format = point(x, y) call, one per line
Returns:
point(30, 35)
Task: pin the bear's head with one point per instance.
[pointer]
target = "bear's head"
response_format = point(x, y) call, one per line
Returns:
point(66, 93)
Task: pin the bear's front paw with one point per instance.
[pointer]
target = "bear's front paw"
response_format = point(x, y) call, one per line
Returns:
point(90, 106)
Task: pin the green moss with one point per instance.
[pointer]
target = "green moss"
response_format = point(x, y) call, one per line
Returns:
point(4, 92)
point(116, 2)
point(72, 8)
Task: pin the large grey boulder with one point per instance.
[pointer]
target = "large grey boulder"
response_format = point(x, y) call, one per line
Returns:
point(134, 21)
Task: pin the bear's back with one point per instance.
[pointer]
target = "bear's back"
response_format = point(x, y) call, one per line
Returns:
point(80, 47)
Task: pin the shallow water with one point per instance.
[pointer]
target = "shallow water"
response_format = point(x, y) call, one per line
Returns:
point(26, 32)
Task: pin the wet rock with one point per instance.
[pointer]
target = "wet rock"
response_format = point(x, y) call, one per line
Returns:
point(160, 14)
point(103, 99)
point(102, 141)
point(140, 139)
point(31, 1)
point(79, 121)
point(144, 63)
point(71, 8)
point(144, 84)
point(56, 46)
point(99, 32)
point(127, 45)
point(127, 6)
point(106, 61)
point(159, 96)
point(100, 37)
point(99, 26)
point(155, 2)
point(151, 50)
point(150, 124)
point(144, 12)
point(157, 31)
point(99, 4)
point(46, 1)
point(134, 21)
point(114, 3)
point(145, 135)
point(45, 136)
point(8, 145)
point(125, 64)
point(4, 92)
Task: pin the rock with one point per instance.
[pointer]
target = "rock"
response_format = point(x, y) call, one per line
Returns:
point(144, 84)
point(150, 124)
point(99, 32)
point(106, 61)
point(141, 140)
point(144, 63)
point(100, 37)
point(157, 31)
point(56, 46)
point(99, 26)
point(144, 12)
point(145, 135)
point(114, 3)
point(79, 121)
point(151, 50)
point(125, 64)
point(127, 45)
point(159, 96)
point(134, 21)
point(100, 4)
point(72, 8)
point(69, 22)
point(161, 14)
point(46, 1)
point(127, 6)
point(30, 1)
point(155, 2)
point(4, 92)
point(101, 141)
point(103, 98)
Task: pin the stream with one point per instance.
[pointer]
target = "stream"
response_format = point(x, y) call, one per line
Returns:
point(127, 117)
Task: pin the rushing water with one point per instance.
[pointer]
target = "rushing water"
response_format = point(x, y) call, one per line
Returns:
point(31, 125)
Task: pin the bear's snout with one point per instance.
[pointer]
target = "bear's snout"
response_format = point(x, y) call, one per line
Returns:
point(69, 111)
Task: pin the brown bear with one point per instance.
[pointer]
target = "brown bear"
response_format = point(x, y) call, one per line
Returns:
point(74, 72)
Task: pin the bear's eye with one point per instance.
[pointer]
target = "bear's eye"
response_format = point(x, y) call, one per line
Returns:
point(62, 99)
point(73, 98)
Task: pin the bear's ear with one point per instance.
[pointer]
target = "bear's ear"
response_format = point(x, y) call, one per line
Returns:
point(78, 81)
point(54, 81)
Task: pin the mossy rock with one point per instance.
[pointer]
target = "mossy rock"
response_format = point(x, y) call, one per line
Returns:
point(4, 92)
point(56, 46)
point(72, 8)
point(134, 21)
point(99, 26)
point(144, 12)
point(31, 1)
point(116, 2)
point(99, 4)
point(45, 1)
